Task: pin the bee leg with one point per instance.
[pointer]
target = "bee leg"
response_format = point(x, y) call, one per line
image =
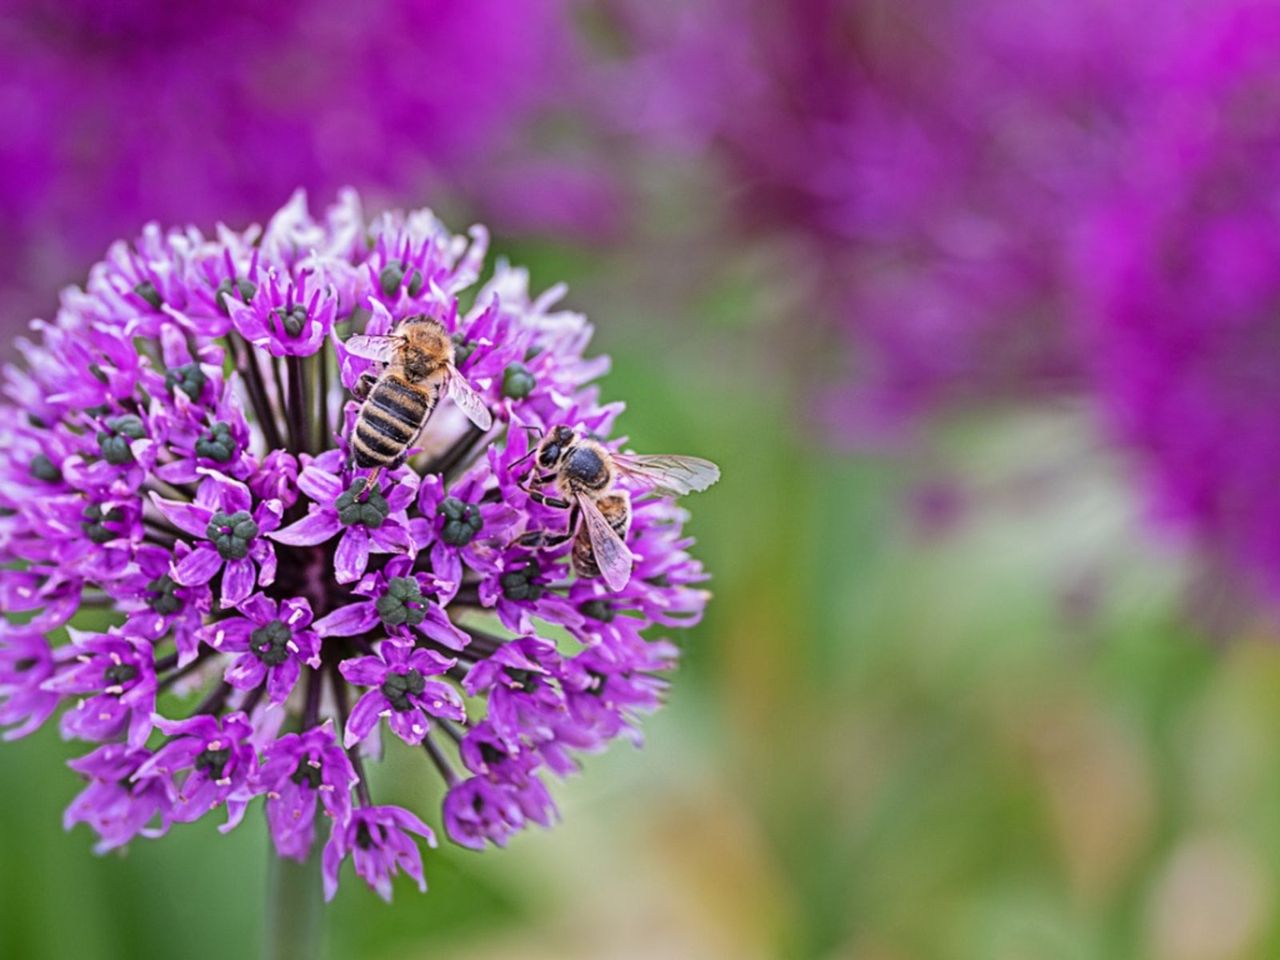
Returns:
point(541, 540)
point(364, 385)
point(547, 501)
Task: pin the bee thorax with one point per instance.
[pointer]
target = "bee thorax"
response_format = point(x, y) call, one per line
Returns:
point(585, 467)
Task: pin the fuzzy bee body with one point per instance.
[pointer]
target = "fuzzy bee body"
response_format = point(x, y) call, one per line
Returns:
point(396, 404)
point(393, 414)
point(585, 473)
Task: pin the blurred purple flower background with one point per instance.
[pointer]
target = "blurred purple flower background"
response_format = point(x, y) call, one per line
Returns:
point(1011, 267)
point(113, 114)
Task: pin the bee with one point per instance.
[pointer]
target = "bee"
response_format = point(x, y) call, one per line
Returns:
point(585, 473)
point(418, 360)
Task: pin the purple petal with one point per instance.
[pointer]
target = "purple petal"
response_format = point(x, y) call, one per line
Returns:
point(352, 556)
point(406, 820)
point(259, 608)
point(265, 555)
point(401, 496)
point(441, 700)
point(391, 538)
point(440, 628)
point(364, 717)
point(348, 621)
point(409, 725)
point(316, 527)
point(229, 636)
point(237, 582)
point(198, 567)
point(320, 485)
point(364, 671)
point(280, 681)
point(246, 672)
point(189, 517)
point(331, 861)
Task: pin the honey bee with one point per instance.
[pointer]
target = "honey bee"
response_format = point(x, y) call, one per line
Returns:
point(418, 360)
point(585, 474)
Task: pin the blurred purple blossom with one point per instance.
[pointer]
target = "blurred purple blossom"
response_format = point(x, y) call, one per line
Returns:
point(1181, 268)
point(926, 161)
point(114, 112)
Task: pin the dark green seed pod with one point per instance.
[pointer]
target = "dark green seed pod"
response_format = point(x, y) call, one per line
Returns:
point(518, 584)
point(245, 288)
point(148, 292)
point(188, 378)
point(292, 319)
point(115, 450)
point(128, 425)
point(270, 643)
point(306, 773)
point(232, 533)
point(398, 687)
point(163, 599)
point(402, 603)
point(214, 762)
point(369, 512)
point(462, 349)
point(218, 444)
point(597, 610)
point(462, 521)
point(118, 674)
point(391, 277)
point(517, 381)
point(94, 520)
point(42, 468)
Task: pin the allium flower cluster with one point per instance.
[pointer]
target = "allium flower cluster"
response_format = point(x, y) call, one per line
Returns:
point(1184, 265)
point(266, 618)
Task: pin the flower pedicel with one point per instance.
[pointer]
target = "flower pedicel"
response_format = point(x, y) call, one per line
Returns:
point(178, 460)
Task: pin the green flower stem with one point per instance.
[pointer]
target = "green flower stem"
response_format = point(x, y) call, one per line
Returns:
point(295, 908)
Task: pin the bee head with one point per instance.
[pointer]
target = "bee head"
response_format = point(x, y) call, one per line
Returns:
point(553, 447)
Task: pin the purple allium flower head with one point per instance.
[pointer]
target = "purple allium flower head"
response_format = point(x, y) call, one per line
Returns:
point(116, 111)
point(268, 603)
point(1182, 266)
point(920, 161)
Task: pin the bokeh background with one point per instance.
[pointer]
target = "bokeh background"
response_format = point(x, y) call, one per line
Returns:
point(977, 304)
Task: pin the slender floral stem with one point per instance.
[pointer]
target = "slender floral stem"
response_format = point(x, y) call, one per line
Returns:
point(441, 763)
point(247, 364)
point(322, 391)
point(295, 907)
point(298, 404)
point(357, 762)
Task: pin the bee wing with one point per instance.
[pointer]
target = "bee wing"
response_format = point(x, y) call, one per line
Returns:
point(382, 349)
point(669, 473)
point(470, 402)
point(612, 555)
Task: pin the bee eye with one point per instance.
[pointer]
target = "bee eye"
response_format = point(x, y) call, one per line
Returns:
point(550, 455)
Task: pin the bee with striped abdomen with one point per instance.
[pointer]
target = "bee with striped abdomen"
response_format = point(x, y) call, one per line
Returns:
point(585, 474)
point(418, 358)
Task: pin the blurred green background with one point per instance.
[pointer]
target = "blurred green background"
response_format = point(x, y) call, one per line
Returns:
point(954, 707)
